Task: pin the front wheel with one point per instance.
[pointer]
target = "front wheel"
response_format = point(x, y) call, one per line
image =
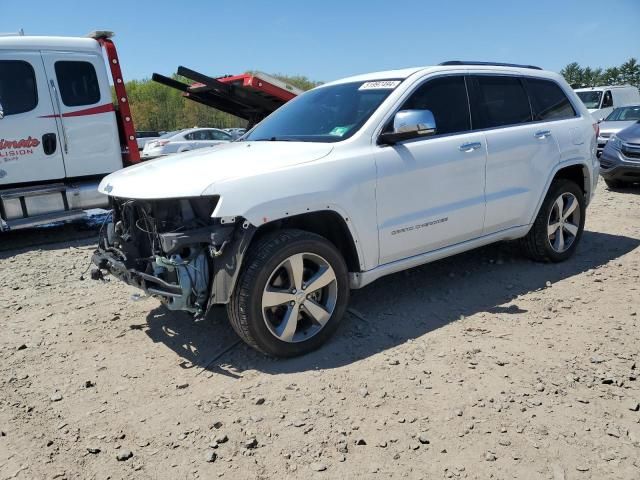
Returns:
point(557, 229)
point(291, 294)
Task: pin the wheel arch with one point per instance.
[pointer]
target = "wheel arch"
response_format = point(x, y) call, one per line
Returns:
point(329, 224)
point(577, 172)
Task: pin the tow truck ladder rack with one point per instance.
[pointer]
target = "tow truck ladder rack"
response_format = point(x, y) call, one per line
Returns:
point(251, 96)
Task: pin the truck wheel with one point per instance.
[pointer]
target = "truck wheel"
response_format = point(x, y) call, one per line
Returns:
point(557, 229)
point(291, 293)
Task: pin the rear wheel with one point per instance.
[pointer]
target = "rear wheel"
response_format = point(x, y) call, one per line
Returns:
point(291, 294)
point(557, 229)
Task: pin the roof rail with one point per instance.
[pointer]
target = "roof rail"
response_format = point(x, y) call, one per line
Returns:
point(490, 64)
point(19, 33)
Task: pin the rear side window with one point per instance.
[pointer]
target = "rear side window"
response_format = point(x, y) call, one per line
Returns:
point(446, 97)
point(499, 101)
point(78, 83)
point(198, 135)
point(217, 135)
point(548, 100)
point(18, 91)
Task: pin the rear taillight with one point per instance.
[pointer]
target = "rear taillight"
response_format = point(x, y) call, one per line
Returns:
point(596, 128)
point(161, 143)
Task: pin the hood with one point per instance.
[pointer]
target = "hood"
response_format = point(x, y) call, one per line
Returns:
point(610, 128)
point(630, 134)
point(189, 174)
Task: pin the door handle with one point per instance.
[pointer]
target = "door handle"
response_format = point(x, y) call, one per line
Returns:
point(49, 143)
point(542, 134)
point(469, 147)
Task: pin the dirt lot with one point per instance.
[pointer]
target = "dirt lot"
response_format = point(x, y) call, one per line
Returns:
point(484, 365)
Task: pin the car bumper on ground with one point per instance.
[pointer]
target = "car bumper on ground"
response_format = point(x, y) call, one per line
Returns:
point(620, 164)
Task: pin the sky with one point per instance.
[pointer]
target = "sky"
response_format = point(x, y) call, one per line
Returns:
point(328, 39)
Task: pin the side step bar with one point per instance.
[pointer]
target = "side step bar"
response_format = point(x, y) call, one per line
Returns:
point(43, 219)
point(32, 206)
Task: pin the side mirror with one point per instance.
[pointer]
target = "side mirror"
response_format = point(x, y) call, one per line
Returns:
point(408, 124)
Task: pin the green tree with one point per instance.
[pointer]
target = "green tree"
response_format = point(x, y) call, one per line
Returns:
point(299, 81)
point(626, 74)
point(611, 76)
point(573, 74)
point(630, 72)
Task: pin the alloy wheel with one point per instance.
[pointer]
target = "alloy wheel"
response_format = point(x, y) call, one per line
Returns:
point(299, 297)
point(564, 222)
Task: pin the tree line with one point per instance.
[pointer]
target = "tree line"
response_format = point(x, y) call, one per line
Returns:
point(626, 74)
point(160, 108)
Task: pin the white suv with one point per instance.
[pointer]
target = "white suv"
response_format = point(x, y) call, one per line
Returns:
point(351, 181)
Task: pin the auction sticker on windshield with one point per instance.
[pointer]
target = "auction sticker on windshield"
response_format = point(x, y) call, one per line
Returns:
point(339, 131)
point(380, 84)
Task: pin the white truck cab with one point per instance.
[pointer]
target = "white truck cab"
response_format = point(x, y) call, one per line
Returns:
point(59, 133)
point(600, 101)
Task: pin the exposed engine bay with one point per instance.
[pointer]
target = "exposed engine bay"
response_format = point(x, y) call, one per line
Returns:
point(173, 249)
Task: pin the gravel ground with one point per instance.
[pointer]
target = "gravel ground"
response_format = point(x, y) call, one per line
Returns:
point(484, 365)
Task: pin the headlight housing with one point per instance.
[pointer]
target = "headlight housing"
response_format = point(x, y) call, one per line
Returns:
point(615, 142)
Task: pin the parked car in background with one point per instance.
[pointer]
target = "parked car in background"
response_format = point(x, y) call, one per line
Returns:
point(619, 119)
point(236, 132)
point(620, 160)
point(184, 141)
point(143, 136)
point(351, 181)
point(600, 101)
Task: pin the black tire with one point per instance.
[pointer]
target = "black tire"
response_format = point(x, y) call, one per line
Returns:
point(262, 259)
point(536, 244)
point(613, 184)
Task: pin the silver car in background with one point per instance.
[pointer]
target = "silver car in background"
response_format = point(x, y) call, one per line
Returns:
point(184, 141)
point(619, 119)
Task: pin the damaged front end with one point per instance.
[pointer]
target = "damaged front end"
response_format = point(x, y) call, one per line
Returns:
point(174, 250)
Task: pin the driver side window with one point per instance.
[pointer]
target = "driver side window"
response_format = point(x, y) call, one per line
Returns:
point(447, 99)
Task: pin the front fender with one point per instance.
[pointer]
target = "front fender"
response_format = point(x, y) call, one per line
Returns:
point(348, 190)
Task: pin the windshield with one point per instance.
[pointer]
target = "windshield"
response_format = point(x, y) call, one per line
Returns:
point(591, 99)
point(326, 114)
point(624, 114)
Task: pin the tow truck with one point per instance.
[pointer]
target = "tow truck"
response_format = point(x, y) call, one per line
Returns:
point(61, 133)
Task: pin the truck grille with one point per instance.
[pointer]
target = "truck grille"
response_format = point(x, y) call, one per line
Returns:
point(631, 150)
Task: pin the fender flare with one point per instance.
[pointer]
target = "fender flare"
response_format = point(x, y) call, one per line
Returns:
point(560, 166)
point(262, 214)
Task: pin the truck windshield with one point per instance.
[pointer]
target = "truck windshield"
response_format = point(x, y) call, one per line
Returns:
point(624, 114)
point(325, 114)
point(591, 99)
